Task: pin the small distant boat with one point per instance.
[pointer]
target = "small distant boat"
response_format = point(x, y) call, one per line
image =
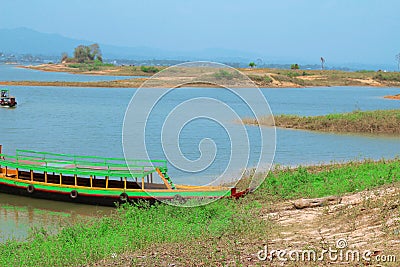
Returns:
point(6, 100)
point(95, 180)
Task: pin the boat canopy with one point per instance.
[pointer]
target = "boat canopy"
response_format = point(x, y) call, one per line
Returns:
point(82, 165)
point(4, 93)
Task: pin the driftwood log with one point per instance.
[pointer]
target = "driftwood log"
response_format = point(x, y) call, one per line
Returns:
point(316, 202)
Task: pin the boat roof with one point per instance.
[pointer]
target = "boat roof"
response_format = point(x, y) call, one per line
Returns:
point(5, 93)
point(81, 165)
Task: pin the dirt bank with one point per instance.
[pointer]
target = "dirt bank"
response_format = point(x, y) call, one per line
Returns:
point(263, 77)
point(395, 97)
point(368, 220)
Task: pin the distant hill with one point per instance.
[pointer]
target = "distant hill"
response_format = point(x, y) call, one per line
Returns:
point(51, 46)
point(28, 41)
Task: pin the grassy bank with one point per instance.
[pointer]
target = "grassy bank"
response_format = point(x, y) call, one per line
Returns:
point(372, 122)
point(221, 233)
point(263, 77)
point(310, 78)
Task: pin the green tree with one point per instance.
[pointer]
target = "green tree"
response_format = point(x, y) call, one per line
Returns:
point(295, 66)
point(95, 52)
point(85, 53)
point(81, 53)
point(252, 64)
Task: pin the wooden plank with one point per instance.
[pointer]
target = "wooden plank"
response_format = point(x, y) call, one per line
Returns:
point(163, 178)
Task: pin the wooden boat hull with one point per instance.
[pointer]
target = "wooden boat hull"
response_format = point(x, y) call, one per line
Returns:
point(102, 197)
point(59, 196)
point(9, 106)
point(97, 181)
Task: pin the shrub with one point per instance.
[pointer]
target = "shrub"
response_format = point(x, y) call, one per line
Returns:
point(258, 78)
point(223, 74)
point(295, 66)
point(267, 79)
point(75, 65)
point(390, 77)
point(293, 74)
point(364, 71)
point(149, 69)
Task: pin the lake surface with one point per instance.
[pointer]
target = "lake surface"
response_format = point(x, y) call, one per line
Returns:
point(88, 121)
point(13, 73)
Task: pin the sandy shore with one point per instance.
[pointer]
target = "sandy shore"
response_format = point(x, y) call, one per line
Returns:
point(262, 77)
point(395, 97)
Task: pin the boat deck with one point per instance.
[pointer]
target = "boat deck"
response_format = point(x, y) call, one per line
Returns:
point(87, 171)
point(95, 180)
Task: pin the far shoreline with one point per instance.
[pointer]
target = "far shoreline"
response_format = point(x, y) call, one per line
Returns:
point(262, 77)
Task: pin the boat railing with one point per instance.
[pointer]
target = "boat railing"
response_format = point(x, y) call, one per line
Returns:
point(81, 165)
point(91, 159)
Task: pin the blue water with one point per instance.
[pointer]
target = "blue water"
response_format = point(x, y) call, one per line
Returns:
point(88, 121)
point(324, 100)
point(13, 73)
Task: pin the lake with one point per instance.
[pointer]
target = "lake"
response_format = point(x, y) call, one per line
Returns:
point(88, 121)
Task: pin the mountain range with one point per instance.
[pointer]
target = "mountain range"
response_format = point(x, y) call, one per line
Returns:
point(27, 41)
point(23, 41)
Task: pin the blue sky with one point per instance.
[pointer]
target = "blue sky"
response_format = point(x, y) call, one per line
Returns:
point(364, 31)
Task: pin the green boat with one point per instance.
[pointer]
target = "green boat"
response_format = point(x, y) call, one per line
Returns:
point(95, 180)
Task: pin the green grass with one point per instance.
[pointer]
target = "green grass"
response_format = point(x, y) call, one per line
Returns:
point(332, 77)
point(388, 76)
point(131, 228)
point(365, 71)
point(136, 228)
point(261, 80)
point(311, 182)
point(374, 122)
point(224, 74)
point(90, 66)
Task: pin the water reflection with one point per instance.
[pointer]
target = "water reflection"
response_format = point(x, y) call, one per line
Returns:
point(20, 215)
